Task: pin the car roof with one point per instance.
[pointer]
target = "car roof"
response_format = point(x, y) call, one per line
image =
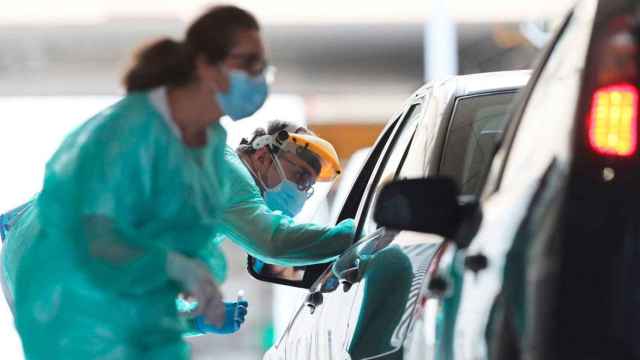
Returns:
point(463, 85)
point(490, 82)
point(446, 91)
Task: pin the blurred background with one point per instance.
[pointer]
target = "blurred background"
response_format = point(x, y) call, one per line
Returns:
point(344, 67)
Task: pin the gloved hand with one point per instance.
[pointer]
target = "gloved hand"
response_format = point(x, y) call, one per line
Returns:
point(4, 226)
point(197, 283)
point(235, 313)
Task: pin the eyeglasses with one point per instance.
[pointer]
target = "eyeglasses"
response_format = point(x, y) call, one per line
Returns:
point(255, 64)
point(303, 178)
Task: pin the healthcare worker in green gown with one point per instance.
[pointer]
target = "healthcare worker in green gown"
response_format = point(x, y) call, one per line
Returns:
point(282, 173)
point(133, 197)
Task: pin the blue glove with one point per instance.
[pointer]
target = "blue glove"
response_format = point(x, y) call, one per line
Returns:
point(235, 313)
point(4, 226)
point(257, 265)
point(7, 220)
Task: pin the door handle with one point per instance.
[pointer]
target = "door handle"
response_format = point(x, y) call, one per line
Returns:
point(476, 263)
point(313, 301)
point(439, 286)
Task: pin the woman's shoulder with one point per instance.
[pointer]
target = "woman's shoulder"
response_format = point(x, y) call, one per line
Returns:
point(131, 112)
point(113, 131)
point(131, 118)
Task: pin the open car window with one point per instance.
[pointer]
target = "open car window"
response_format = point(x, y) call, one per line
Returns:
point(352, 201)
point(390, 169)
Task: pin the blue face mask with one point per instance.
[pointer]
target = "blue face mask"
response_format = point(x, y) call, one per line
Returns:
point(285, 197)
point(245, 96)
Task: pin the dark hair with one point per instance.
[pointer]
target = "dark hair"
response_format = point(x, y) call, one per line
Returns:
point(169, 62)
point(275, 127)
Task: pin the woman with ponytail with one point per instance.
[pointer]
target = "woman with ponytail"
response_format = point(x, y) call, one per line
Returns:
point(131, 200)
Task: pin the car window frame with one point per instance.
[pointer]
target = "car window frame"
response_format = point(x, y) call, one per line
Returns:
point(367, 198)
point(396, 173)
point(314, 273)
point(359, 188)
point(451, 120)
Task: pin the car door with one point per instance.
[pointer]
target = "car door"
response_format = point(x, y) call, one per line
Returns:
point(473, 132)
point(391, 271)
point(309, 332)
point(389, 267)
point(378, 265)
point(525, 176)
point(302, 332)
point(337, 307)
point(387, 271)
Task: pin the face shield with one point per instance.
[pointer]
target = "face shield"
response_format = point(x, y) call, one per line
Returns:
point(301, 159)
point(310, 148)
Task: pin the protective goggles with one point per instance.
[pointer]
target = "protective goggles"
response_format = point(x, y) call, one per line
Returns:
point(301, 177)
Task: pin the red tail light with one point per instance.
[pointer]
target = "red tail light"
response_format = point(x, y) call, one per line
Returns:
point(613, 120)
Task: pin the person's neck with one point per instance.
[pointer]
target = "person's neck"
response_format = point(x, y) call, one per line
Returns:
point(193, 109)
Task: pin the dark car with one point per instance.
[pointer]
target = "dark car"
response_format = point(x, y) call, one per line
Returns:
point(552, 253)
point(366, 303)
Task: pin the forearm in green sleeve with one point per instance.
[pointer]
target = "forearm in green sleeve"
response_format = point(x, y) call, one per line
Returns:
point(305, 244)
point(278, 240)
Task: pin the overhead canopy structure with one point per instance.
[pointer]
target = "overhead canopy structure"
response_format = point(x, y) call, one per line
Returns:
point(278, 12)
point(352, 63)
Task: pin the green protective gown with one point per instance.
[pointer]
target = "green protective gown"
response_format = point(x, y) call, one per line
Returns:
point(119, 194)
point(269, 235)
point(86, 263)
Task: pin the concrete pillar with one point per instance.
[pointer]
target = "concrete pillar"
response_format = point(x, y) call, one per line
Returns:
point(440, 43)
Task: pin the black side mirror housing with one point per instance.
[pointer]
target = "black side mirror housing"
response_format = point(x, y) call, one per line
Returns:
point(430, 205)
point(301, 277)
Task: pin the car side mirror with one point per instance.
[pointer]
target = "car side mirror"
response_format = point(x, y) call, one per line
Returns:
point(430, 205)
point(297, 276)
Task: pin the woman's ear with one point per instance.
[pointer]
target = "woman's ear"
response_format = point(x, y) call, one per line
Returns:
point(213, 75)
